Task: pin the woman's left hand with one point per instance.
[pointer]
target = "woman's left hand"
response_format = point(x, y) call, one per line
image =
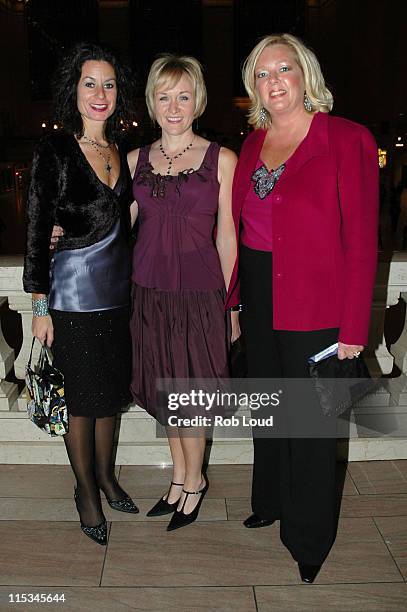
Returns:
point(234, 319)
point(349, 351)
point(57, 232)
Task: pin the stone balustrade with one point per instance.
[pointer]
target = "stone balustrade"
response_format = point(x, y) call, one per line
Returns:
point(22, 442)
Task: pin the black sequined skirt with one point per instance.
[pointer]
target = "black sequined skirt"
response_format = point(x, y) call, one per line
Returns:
point(93, 351)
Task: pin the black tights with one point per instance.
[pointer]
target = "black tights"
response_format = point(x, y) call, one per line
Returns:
point(89, 444)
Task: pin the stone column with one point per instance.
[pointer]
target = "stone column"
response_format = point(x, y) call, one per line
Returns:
point(11, 271)
point(8, 390)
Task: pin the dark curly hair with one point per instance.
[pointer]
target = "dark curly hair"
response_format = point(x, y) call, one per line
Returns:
point(65, 85)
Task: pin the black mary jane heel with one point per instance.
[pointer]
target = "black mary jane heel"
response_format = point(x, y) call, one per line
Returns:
point(179, 518)
point(163, 507)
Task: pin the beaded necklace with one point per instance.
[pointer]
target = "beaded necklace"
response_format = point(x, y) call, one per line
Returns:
point(174, 157)
point(97, 148)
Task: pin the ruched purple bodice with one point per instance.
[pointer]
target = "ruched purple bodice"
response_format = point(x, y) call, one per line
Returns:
point(175, 248)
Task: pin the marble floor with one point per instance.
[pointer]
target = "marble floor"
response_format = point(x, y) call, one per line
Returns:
point(214, 564)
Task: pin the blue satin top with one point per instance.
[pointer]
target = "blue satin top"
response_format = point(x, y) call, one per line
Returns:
point(96, 277)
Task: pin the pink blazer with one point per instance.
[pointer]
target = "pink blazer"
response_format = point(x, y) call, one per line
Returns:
point(324, 228)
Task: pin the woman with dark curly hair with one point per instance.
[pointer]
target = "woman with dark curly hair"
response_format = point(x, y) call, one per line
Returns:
point(81, 181)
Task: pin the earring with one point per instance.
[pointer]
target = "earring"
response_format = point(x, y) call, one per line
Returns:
point(263, 115)
point(307, 103)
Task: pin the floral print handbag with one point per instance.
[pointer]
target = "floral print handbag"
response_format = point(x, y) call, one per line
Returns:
point(46, 405)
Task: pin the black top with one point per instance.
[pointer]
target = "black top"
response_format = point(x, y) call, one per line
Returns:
point(65, 190)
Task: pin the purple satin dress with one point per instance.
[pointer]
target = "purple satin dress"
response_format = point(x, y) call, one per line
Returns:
point(178, 323)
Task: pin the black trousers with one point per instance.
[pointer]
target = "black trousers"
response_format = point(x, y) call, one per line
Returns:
point(294, 479)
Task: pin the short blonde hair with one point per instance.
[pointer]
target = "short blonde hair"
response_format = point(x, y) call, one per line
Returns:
point(318, 94)
point(169, 68)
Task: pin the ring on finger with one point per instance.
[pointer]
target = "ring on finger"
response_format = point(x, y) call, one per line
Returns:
point(356, 353)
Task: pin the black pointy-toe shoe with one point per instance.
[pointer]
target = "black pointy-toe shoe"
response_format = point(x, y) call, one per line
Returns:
point(308, 573)
point(163, 507)
point(179, 518)
point(98, 533)
point(123, 505)
point(254, 522)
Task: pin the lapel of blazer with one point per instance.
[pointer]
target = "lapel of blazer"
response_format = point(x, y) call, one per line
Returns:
point(249, 156)
point(316, 143)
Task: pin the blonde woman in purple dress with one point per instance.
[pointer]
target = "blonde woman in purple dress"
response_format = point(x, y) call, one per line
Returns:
point(182, 187)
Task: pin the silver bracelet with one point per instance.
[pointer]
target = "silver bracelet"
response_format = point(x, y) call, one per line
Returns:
point(40, 307)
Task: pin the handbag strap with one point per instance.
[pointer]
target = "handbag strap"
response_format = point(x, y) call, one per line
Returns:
point(31, 352)
point(44, 354)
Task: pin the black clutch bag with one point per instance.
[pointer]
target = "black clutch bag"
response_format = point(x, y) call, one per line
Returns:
point(340, 383)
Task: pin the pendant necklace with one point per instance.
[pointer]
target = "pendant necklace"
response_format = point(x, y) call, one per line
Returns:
point(174, 157)
point(98, 148)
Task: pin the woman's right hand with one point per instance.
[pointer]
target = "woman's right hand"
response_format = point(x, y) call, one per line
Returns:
point(43, 329)
point(234, 319)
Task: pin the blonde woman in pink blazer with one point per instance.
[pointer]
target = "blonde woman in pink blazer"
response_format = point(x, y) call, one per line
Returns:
point(305, 206)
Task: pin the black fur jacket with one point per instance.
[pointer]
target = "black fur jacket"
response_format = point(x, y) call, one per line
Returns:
point(64, 190)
